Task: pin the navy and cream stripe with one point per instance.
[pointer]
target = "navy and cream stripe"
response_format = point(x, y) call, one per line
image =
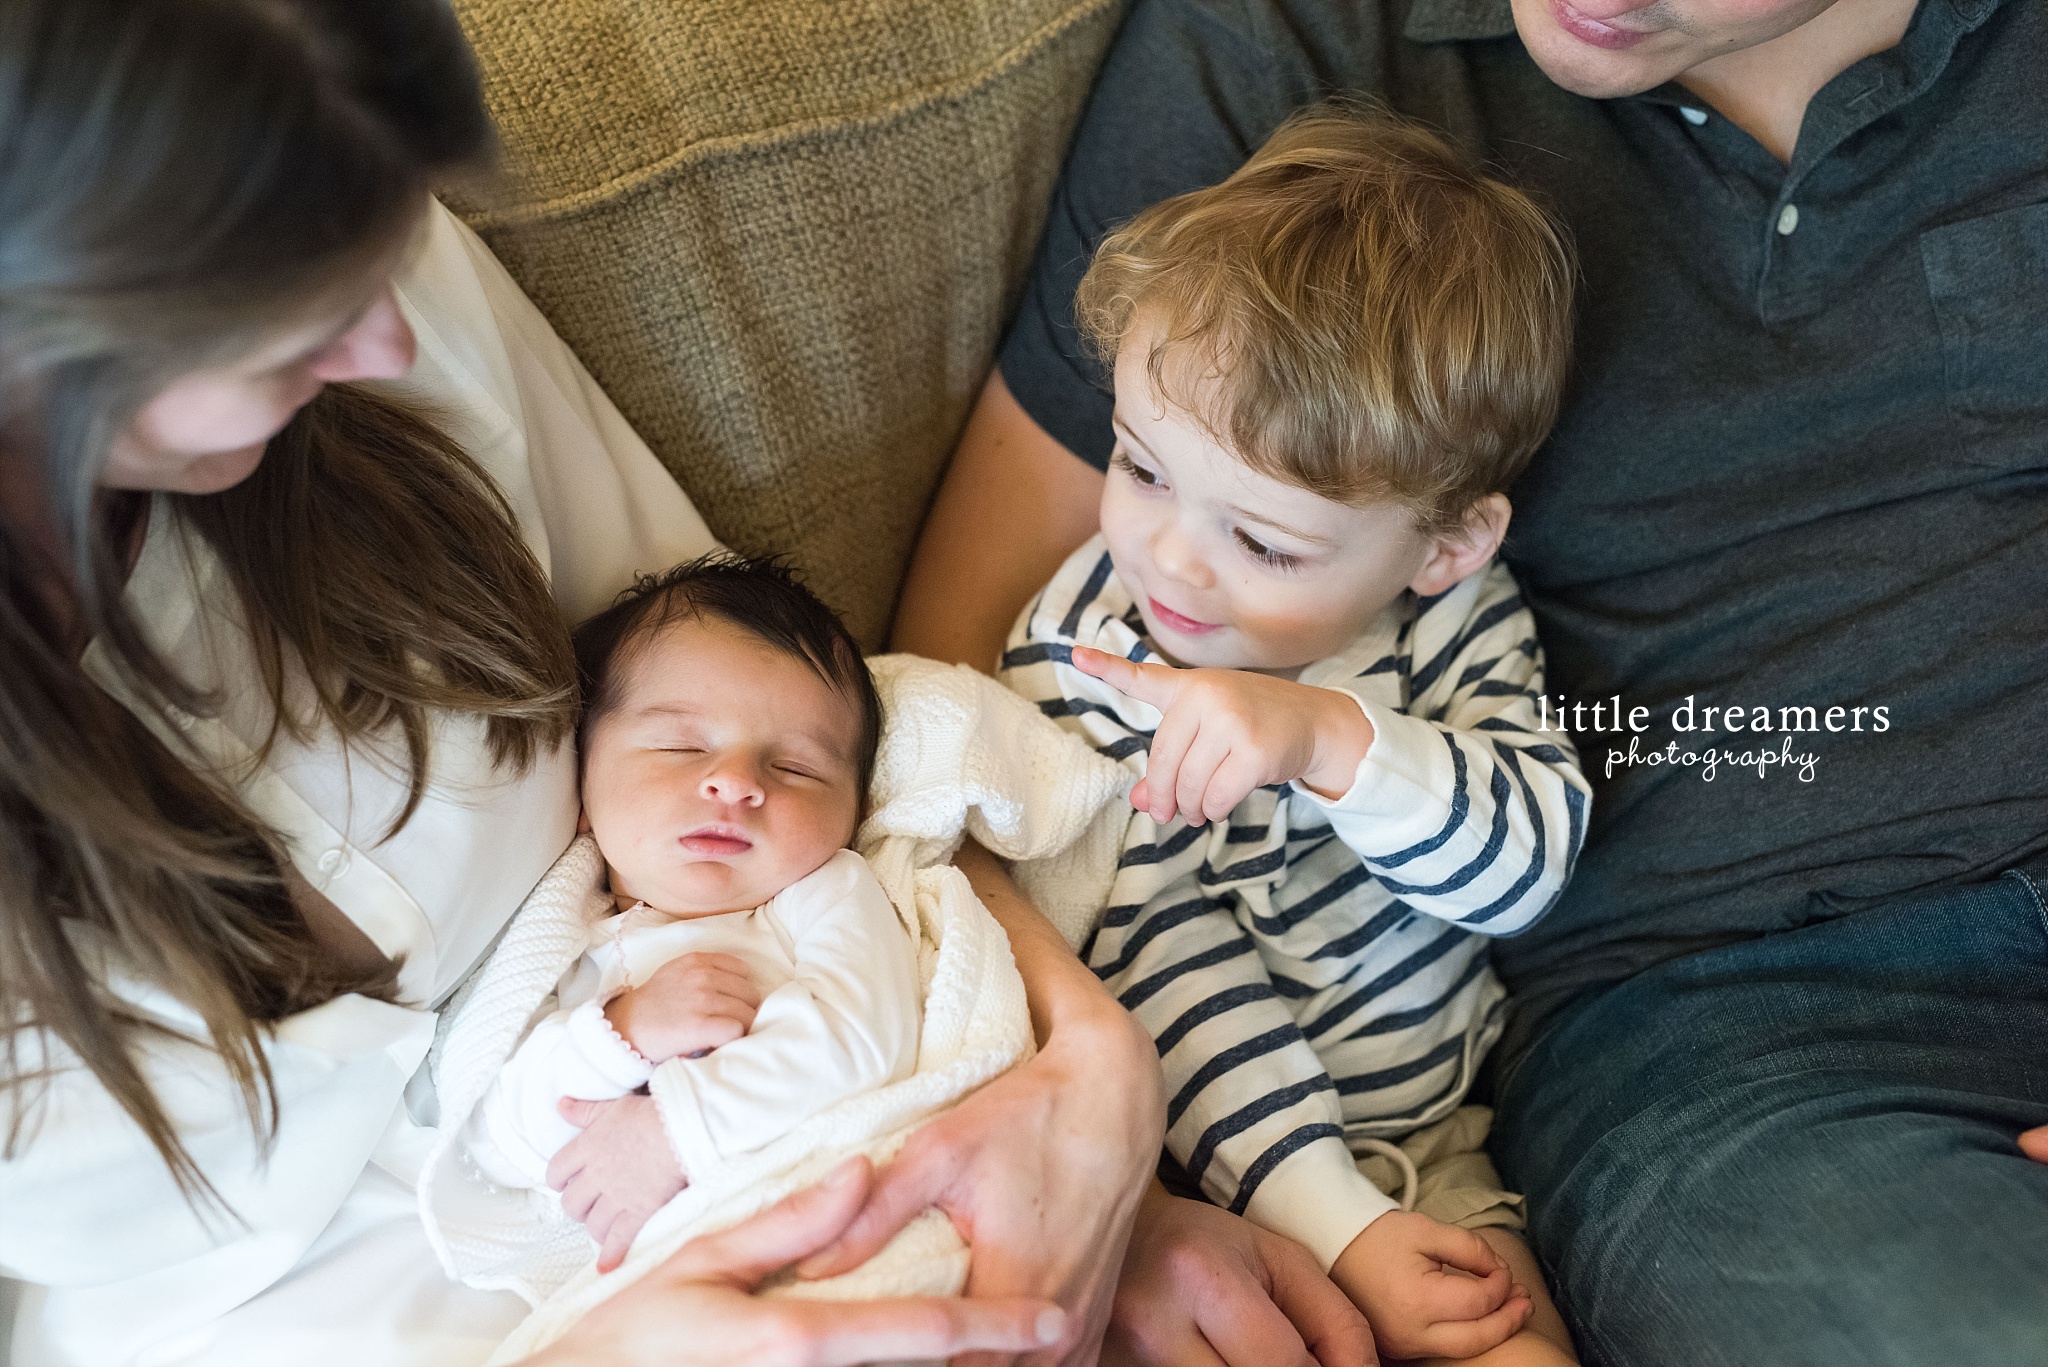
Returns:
point(1315, 973)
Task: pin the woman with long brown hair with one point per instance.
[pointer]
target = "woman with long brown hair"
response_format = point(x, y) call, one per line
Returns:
point(296, 492)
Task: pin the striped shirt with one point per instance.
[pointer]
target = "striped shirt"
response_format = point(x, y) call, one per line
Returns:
point(1314, 971)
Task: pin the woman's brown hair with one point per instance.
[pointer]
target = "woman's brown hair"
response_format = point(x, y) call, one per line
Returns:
point(179, 180)
point(1372, 318)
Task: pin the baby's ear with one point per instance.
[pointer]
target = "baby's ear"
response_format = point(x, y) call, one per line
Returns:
point(1465, 550)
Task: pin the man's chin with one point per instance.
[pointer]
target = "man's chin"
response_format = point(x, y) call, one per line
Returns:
point(1599, 75)
point(1596, 73)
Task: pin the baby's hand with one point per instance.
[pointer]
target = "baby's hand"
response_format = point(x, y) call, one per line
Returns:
point(1429, 1289)
point(690, 1006)
point(615, 1174)
point(1224, 732)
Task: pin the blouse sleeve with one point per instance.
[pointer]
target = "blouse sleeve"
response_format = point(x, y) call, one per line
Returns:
point(592, 501)
point(86, 1200)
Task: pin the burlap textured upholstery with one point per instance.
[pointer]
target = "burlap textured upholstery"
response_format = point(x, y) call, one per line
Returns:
point(784, 234)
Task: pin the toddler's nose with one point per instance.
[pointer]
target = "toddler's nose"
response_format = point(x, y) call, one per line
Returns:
point(1178, 558)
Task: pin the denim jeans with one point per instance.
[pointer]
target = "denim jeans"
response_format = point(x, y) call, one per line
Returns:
point(1799, 1149)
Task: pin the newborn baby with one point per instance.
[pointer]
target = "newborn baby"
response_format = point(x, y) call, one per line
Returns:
point(755, 972)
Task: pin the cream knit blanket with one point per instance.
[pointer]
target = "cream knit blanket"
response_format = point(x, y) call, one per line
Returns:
point(961, 756)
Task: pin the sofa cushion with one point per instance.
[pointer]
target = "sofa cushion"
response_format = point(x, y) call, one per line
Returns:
point(784, 235)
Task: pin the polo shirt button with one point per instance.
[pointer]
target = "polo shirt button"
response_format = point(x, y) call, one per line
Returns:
point(1788, 219)
point(334, 862)
point(1695, 117)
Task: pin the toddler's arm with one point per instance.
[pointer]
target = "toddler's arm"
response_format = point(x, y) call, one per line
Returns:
point(1458, 805)
point(1251, 1111)
point(846, 1022)
point(1462, 808)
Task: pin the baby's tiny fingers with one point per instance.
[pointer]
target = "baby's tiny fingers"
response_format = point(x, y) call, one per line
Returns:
point(715, 1032)
point(565, 1166)
point(579, 1198)
point(577, 1111)
point(618, 1240)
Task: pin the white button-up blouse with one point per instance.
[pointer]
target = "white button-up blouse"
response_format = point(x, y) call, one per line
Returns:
point(120, 1259)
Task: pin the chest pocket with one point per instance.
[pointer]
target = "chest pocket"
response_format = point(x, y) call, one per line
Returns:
point(1988, 279)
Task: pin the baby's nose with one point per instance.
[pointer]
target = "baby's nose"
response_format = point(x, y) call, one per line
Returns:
point(734, 783)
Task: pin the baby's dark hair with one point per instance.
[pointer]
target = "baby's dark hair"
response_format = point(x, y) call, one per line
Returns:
point(758, 594)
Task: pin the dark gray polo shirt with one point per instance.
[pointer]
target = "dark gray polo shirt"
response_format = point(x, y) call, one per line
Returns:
point(1803, 463)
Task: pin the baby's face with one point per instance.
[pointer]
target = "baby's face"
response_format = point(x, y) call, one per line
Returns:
point(1231, 568)
point(726, 772)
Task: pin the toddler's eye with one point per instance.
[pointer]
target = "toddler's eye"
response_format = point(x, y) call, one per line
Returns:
point(795, 771)
point(1264, 554)
point(1144, 478)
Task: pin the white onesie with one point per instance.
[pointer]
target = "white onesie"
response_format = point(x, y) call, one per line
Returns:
point(839, 1015)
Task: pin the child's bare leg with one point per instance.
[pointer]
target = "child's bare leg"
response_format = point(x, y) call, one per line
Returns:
point(1543, 1341)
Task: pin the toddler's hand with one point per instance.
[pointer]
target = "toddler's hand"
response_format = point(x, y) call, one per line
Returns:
point(1430, 1289)
point(691, 1005)
point(615, 1174)
point(1224, 732)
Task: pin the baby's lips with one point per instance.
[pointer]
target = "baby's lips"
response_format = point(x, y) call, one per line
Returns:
point(715, 844)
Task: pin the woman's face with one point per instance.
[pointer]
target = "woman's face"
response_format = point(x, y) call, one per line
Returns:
point(206, 431)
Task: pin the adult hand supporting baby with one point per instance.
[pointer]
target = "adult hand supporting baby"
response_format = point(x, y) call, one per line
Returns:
point(1042, 1170)
point(2034, 1144)
point(698, 1307)
point(1205, 1288)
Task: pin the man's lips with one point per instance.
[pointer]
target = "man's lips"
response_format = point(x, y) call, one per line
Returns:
point(1589, 30)
point(1179, 625)
point(716, 842)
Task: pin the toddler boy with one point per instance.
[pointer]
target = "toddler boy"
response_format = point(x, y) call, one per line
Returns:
point(1293, 625)
point(756, 973)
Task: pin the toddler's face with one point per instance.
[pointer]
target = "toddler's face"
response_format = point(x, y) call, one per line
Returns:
point(726, 772)
point(1231, 568)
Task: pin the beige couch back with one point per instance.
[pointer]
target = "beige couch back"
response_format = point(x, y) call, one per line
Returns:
point(784, 235)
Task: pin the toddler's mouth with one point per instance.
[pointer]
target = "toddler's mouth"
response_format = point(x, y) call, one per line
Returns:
point(1179, 625)
point(716, 842)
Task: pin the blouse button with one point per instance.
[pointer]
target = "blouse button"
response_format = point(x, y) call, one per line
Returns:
point(1788, 220)
point(334, 862)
